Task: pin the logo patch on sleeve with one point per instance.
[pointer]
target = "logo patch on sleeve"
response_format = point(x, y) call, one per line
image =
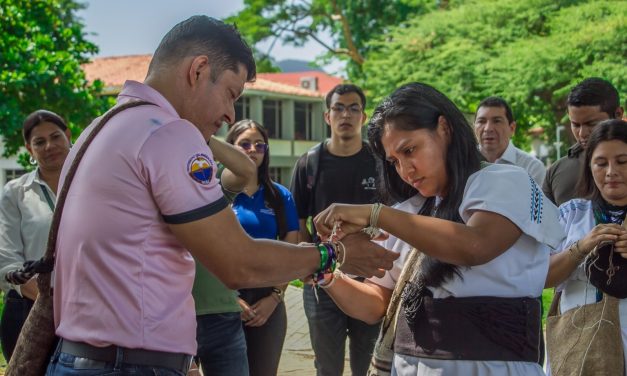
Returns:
point(200, 168)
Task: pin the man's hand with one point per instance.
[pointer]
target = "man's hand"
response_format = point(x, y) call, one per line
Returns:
point(366, 258)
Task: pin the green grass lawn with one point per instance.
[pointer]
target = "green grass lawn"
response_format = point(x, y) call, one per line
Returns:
point(547, 298)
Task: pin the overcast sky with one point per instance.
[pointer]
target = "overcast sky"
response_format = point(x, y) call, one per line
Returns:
point(130, 27)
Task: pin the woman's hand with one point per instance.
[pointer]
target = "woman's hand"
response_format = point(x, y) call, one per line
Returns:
point(605, 232)
point(248, 313)
point(264, 308)
point(620, 245)
point(353, 218)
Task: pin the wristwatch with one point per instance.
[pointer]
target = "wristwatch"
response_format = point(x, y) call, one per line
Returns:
point(279, 293)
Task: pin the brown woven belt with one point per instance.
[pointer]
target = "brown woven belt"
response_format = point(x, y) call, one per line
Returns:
point(138, 357)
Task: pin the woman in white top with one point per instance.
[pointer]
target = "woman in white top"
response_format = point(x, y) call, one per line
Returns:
point(473, 307)
point(26, 208)
point(594, 220)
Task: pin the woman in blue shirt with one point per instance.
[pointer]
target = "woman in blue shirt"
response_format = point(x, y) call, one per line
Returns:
point(265, 210)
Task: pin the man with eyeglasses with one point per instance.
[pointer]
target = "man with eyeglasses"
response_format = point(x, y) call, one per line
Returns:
point(589, 103)
point(345, 172)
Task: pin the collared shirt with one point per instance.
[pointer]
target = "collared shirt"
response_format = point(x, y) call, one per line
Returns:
point(520, 271)
point(122, 278)
point(560, 184)
point(25, 218)
point(577, 219)
point(515, 156)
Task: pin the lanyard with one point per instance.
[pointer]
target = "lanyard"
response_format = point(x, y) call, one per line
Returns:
point(48, 198)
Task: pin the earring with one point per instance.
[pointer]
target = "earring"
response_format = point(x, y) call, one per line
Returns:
point(33, 161)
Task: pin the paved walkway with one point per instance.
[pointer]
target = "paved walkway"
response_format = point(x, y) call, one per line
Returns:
point(298, 357)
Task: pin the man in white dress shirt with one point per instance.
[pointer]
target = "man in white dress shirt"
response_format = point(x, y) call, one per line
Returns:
point(494, 127)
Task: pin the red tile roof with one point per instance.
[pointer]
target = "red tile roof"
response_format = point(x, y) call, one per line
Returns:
point(114, 70)
point(326, 82)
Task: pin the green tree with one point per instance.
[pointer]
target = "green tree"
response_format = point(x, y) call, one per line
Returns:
point(42, 47)
point(530, 52)
point(350, 24)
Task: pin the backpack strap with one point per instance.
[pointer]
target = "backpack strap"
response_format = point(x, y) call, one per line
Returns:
point(312, 162)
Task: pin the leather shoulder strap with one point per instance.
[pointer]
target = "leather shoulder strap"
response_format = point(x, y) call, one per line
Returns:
point(56, 218)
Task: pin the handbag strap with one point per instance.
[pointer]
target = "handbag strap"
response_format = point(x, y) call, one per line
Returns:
point(48, 259)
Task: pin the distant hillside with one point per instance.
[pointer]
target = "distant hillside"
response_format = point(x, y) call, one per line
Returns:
point(292, 65)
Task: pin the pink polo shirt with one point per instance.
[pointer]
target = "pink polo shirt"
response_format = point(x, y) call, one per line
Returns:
point(121, 276)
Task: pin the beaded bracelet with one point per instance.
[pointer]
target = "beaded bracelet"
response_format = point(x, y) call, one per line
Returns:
point(575, 252)
point(328, 261)
point(324, 255)
point(372, 230)
point(341, 253)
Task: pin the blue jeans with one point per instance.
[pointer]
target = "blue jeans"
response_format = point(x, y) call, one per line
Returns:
point(328, 329)
point(221, 344)
point(63, 364)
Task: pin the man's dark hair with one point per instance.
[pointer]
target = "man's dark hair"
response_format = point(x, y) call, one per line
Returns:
point(342, 89)
point(595, 91)
point(202, 35)
point(608, 130)
point(497, 102)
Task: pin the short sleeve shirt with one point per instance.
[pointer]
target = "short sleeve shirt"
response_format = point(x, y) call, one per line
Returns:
point(560, 184)
point(521, 270)
point(122, 277)
point(258, 219)
point(348, 180)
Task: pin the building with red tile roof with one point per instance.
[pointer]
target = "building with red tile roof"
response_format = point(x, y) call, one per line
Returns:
point(114, 70)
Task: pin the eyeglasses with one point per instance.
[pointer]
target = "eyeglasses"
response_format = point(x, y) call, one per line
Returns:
point(260, 147)
point(354, 109)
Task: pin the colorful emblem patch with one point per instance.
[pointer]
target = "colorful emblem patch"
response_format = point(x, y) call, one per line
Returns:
point(200, 168)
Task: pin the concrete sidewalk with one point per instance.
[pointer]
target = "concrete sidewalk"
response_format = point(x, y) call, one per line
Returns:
point(298, 357)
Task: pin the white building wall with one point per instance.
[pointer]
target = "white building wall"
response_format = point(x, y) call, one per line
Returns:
point(7, 164)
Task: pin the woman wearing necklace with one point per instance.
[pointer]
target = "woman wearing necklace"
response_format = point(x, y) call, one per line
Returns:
point(591, 221)
point(26, 208)
point(266, 210)
point(472, 306)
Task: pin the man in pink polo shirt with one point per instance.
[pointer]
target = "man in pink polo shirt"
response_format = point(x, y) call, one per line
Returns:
point(145, 199)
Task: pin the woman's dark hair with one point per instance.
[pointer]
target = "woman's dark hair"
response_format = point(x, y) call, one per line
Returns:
point(418, 106)
point(38, 117)
point(613, 129)
point(271, 194)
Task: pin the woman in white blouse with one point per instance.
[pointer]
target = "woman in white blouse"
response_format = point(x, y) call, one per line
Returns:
point(473, 307)
point(26, 208)
point(593, 220)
